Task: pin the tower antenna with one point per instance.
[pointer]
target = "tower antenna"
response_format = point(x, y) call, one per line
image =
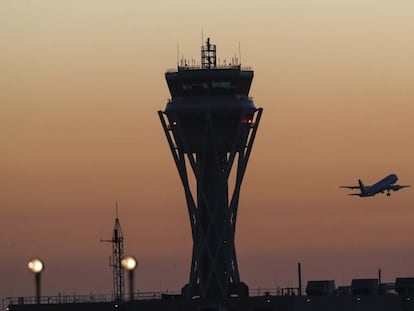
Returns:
point(117, 256)
point(208, 55)
point(240, 55)
point(202, 37)
point(178, 55)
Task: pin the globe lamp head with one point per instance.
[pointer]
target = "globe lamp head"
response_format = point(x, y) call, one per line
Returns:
point(129, 263)
point(35, 265)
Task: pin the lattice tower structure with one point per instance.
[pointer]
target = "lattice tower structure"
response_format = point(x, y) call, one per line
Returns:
point(118, 275)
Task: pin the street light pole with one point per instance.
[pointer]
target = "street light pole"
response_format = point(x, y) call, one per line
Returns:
point(130, 264)
point(36, 266)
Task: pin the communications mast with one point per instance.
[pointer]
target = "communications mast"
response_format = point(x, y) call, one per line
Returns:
point(210, 123)
point(116, 258)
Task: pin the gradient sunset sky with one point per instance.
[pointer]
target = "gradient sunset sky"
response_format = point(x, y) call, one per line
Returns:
point(81, 82)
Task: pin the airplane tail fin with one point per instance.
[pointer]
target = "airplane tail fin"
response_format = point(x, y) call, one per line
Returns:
point(361, 186)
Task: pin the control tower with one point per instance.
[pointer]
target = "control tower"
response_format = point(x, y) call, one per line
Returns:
point(210, 124)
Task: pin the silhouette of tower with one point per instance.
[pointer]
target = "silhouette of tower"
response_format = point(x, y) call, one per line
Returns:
point(116, 258)
point(210, 124)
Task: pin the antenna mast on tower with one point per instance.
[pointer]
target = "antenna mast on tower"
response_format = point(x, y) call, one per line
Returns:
point(117, 256)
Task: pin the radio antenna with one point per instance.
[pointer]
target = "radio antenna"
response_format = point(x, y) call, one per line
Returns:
point(117, 242)
point(239, 54)
point(178, 55)
point(202, 37)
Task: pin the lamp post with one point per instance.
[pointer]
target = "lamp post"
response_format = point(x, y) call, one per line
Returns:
point(129, 263)
point(36, 266)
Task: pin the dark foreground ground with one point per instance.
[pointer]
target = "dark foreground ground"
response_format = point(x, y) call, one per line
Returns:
point(260, 303)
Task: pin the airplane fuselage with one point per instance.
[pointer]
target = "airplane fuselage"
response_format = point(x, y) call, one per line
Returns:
point(379, 187)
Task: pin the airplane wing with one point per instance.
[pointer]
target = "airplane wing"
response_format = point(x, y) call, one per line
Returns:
point(398, 187)
point(350, 187)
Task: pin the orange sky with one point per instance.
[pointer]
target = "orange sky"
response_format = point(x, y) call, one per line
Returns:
point(80, 85)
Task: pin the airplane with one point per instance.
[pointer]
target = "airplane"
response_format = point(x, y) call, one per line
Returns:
point(385, 184)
